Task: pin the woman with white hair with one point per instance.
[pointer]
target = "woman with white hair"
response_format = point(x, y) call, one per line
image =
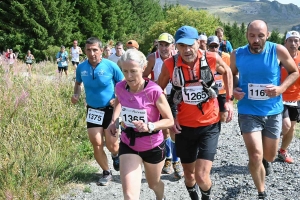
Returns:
point(140, 102)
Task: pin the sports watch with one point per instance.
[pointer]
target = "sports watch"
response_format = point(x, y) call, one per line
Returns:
point(151, 127)
point(230, 98)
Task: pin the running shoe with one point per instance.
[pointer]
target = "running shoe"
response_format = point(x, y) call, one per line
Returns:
point(167, 169)
point(285, 157)
point(116, 162)
point(178, 172)
point(267, 166)
point(105, 179)
point(262, 195)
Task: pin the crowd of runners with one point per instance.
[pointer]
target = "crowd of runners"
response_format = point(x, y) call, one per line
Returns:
point(172, 102)
point(168, 106)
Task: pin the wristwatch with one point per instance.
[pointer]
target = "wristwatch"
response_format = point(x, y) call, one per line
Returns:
point(151, 127)
point(230, 98)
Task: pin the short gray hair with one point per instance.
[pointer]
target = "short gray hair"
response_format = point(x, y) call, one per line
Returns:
point(134, 55)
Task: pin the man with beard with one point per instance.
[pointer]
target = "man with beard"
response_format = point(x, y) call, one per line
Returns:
point(155, 62)
point(197, 123)
point(256, 73)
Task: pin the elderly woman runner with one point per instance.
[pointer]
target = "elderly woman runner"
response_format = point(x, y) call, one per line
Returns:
point(140, 102)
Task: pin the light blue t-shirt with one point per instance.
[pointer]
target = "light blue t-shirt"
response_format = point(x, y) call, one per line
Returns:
point(228, 47)
point(64, 61)
point(99, 83)
point(256, 71)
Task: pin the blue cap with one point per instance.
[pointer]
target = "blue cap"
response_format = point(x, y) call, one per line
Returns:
point(186, 35)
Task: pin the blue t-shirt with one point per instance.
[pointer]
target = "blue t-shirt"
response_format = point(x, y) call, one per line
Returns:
point(256, 71)
point(99, 83)
point(63, 62)
point(228, 47)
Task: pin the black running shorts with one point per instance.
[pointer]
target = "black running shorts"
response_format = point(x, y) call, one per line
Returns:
point(152, 156)
point(107, 117)
point(197, 143)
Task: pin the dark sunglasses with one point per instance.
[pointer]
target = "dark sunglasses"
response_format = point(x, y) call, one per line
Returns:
point(213, 46)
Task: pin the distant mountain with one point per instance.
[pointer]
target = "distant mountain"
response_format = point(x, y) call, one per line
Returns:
point(278, 16)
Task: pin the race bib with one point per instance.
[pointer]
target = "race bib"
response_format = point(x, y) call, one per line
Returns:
point(95, 116)
point(193, 94)
point(290, 103)
point(64, 63)
point(257, 91)
point(219, 84)
point(130, 114)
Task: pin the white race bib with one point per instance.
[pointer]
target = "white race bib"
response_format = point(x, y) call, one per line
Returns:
point(95, 116)
point(257, 91)
point(168, 88)
point(193, 94)
point(130, 114)
point(64, 63)
point(290, 103)
point(219, 84)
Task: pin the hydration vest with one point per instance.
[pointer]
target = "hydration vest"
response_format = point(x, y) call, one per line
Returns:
point(206, 80)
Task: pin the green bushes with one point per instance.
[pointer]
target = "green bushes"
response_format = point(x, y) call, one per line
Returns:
point(43, 137)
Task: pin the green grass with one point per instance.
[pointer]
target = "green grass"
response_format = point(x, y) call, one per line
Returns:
point(44, 144)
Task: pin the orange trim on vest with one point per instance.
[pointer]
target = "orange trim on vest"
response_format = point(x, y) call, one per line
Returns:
point(190, 115)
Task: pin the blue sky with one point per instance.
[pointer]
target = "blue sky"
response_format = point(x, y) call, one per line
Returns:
point(296, 2)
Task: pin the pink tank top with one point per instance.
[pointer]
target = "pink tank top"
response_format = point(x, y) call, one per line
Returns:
point(144, 100)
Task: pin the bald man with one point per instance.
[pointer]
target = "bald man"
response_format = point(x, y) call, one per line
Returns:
point(257, 88)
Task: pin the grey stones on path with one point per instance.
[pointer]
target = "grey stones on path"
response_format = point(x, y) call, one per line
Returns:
point(229, 174)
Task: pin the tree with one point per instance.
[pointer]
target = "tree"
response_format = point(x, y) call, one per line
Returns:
point(201, 20)
point(35, 24)
point(275, 37)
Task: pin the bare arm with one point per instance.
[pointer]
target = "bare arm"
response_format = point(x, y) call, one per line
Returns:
point(165, 111)
point(77, 92)
point(289, 64)
point(150, 65)
point(225, 70)
point(234, 70)
point(164, 77)
point(80, 51)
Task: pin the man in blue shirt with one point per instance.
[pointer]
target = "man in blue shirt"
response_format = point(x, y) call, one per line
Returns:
point(257, 87)
point(99, 77)
point(225, 45)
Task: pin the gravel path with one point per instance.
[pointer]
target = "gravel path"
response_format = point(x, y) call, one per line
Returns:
point(230, 176)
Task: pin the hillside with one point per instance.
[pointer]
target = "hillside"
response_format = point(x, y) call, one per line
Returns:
point(278, 16)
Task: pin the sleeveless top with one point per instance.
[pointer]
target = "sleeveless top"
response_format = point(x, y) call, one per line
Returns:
point(140, 106)
point(293, 92)
point(256, 71)
point(75, 54)
point(157, 70)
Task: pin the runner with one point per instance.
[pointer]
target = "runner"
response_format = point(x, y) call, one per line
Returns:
point(155, 62)
point(197, 122)
point(75, 52)
point(225, 45)
point(140, 103)
point(119, 52)
point(29, 60)
point(202, 41)
point(106, 51)
point(62, 58)
point(132, 44)
point(256, 73)
point(11, 59)
point(99, 77)
point(213, 46)
point(291, 99)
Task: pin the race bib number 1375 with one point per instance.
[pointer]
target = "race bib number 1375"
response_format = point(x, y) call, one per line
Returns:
point(95, 116)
